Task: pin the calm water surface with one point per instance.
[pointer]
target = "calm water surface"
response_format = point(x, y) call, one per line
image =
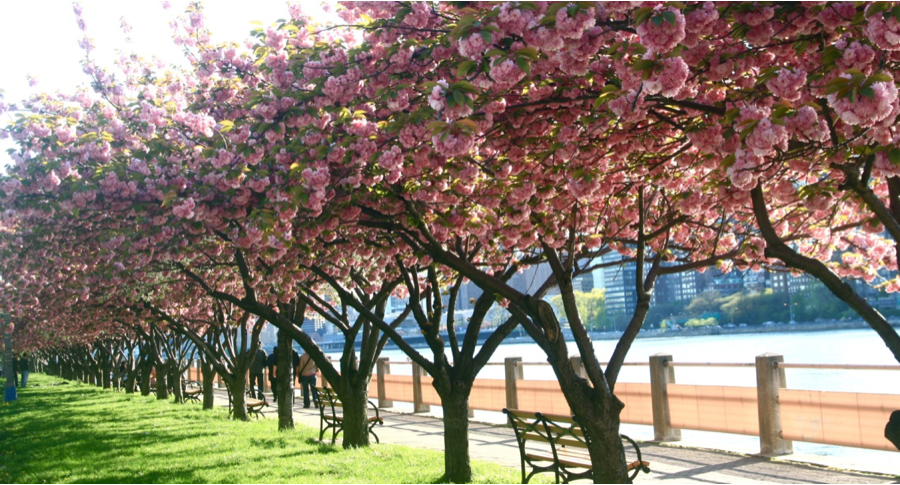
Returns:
point(827, 347)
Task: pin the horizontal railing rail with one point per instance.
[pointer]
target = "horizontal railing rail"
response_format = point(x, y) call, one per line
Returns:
point(776, 414)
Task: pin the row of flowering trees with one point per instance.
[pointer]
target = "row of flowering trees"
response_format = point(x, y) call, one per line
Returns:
point(420, 145)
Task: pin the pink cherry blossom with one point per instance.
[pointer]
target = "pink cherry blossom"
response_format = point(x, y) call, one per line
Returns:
point(473, 45)
point(185, 210)
point(885, 33)
point(506, 73)
point(664, 37)
point(669, 80)
point(866, 111)
point(787, 85)
point(767, 136)
point(452, 145)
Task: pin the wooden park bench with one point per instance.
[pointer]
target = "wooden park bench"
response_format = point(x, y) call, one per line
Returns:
point(553, 443)
point(254, 406)
point(192, 391)
point(331, 415)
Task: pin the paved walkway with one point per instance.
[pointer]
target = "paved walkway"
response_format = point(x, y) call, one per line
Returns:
point(669, 463)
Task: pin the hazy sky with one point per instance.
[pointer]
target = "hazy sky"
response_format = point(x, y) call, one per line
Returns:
point(39, 37)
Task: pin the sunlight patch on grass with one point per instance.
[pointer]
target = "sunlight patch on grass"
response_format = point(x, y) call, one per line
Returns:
point(80, 433)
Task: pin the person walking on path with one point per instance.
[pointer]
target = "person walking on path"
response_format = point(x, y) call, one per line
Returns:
point(256, 372)
point(15, 368)
point(271, 362)
point(306, 375)
point(25, 368)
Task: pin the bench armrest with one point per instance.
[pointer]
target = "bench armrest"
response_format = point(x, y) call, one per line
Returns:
point(377, 414)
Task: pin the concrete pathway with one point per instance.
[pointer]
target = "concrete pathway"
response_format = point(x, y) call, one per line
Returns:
point(669, 463)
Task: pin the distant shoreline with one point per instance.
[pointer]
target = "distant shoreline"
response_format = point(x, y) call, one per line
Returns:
point(704, 331)
point(522, 338)
point(718, 330)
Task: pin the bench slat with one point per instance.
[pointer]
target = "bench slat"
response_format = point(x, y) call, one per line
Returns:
point(565, 446)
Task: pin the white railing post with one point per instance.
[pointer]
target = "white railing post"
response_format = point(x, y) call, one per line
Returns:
point(418, 405)
point(514, 372)
point(661, 375)
point(769, 379)
point(383, 368)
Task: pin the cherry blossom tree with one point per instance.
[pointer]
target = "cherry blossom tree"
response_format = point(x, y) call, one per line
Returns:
point(664, 131)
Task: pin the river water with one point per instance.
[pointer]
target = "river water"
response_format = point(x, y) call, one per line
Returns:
point(826, 347)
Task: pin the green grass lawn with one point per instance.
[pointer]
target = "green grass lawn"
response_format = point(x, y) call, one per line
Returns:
point(80, 433)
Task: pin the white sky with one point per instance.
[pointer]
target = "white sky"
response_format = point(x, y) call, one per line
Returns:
point(40, 38)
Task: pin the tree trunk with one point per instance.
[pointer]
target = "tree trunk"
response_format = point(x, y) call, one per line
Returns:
point(598, 415)
point(457, 468)
point(176, 380)
point(209, 375)
point(145, 369)
point(285, 379)
point(356, 417)
point(162, 387)
point(105, 370)
point(237, 387)
point(131, 373)
point(116, 375)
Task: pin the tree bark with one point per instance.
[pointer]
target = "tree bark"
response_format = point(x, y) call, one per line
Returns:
point(285, 379)
point(145, 367)
point(106, 370)
point(130, 372)
point(598, 414)
point(162, 387)
point(237, 387)
point(176, 381)
point(209, 374)
point(356, 418)
point(457, 466)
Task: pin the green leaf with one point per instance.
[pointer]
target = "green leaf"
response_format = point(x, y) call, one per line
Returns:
point(836, 85)
point(831, 55)
point(227, 125)
point(466, 124)
point(642, 14)
point(464, 86)
point(524, 65)
point(657, 21)
point(894, 156)
point(495, 53)
point(436, 126)
point(486, 35)
point(896, 13)
point(876, 7)
point(459, 97)
point(878, 77)
point(464, 68)
point(750, 126)
point(548, 19)
point(728, 161)
point(643, 64)
point(529, 52)
point(867, 92)
point(669, 17)
point(855, 74)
